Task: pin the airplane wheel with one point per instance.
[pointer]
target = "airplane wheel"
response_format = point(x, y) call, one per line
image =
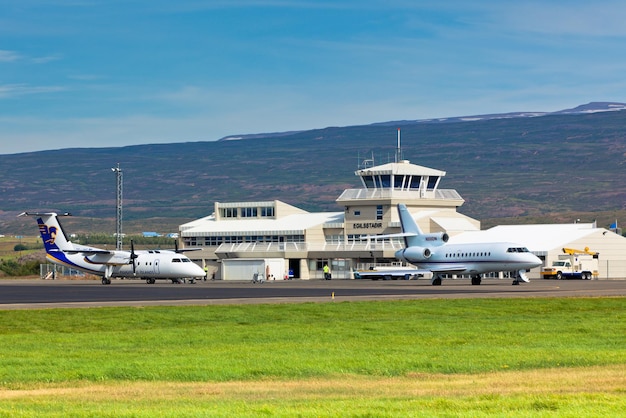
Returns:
point(437, 281)
point(104, 280)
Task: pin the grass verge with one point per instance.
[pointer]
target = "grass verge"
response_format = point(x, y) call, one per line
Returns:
point(436, 357)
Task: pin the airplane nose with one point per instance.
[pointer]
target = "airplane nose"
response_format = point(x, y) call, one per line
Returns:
point(198, 271)
point(536, 261)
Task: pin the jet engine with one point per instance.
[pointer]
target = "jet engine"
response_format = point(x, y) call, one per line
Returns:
point(414, 254)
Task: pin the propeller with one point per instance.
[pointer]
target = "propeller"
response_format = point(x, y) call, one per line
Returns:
point(133, 256)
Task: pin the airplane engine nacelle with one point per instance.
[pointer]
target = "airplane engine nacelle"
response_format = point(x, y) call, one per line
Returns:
point(414, 254)
point(436, 239)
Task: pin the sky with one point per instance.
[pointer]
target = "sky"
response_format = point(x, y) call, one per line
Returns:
point(96, 73)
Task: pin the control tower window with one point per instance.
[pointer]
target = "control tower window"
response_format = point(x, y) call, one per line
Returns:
point(369, 182)
point(385, 181)
point(397, 182)
point(432, 182)
point(415, 182)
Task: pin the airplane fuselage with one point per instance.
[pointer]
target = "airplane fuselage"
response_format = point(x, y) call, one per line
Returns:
point(475, 258)
point(152, 264)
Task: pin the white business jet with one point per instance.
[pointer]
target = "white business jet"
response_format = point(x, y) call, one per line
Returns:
point(147, 264)
point(431, 253)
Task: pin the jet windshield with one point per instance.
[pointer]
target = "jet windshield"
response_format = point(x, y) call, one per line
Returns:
point(517, 250)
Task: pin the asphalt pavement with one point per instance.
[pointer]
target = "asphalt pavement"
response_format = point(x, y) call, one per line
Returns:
point(40, 294)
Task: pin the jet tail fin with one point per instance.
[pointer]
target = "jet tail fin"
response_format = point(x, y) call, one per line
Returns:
point(51, 231)
point(410, 230)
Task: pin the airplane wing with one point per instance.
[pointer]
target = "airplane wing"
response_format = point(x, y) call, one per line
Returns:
point(87, 252)
point(99, 256)
point(404, 273)
point(450, 269)
point(182, 250)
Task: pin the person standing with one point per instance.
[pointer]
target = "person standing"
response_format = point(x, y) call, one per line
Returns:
point(326, 269)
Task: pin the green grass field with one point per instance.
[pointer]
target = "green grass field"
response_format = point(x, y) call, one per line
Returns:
point(481, 357)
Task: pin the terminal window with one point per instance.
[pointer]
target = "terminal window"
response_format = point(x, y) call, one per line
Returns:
point(248, 212)
point(229, 212)
point(267, 212)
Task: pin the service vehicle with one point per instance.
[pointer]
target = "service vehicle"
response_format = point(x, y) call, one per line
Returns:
point(573, 264)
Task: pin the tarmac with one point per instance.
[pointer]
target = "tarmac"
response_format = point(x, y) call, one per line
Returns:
point(43, 294)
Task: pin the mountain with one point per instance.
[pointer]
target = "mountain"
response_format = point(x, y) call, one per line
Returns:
point(592, 107)
point(502, 165)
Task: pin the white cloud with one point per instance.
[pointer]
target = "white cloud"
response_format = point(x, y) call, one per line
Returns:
point(563, 18)
point(14, 90)
point(9, 56)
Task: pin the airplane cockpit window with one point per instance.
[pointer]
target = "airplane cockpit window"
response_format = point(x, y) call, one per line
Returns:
point(186, 260)
point(517, 250)
point(175, 260)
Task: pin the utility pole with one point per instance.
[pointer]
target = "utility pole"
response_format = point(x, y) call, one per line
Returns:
point(118, 207)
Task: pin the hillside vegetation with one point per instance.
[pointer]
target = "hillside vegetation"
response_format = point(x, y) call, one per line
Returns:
point(548, 167)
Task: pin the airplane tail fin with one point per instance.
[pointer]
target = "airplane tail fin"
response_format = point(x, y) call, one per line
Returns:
point(411, 231)
point(52, 234)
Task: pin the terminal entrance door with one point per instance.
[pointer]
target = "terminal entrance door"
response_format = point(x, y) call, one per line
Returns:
point(294, 268)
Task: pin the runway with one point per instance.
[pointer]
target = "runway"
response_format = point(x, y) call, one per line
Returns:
point(41, 294)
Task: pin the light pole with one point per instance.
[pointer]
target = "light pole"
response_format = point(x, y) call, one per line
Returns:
point(118, 206)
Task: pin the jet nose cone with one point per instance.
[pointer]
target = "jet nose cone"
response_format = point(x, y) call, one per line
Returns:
point(535, 261)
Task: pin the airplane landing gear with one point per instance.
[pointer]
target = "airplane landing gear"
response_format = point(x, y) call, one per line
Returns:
point(436, 280)
point(520, 277)
point(476, 279)
point(106, 280)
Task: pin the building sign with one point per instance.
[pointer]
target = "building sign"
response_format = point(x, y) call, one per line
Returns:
point(367, 225)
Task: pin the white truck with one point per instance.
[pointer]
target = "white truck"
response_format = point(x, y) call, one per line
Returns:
point(574, 264)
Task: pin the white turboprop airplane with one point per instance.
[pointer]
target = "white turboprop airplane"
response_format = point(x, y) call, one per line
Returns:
point(147, 264)
point(431, 253)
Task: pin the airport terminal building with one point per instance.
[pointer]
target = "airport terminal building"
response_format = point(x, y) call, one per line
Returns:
point(277, 240)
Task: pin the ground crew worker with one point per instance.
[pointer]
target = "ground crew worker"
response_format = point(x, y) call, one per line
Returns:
point(326, 272)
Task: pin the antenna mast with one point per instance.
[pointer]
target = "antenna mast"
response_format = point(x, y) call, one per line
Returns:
point(398, 150)
point(118, 208)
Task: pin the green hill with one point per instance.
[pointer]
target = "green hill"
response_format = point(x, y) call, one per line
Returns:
point(536, 168)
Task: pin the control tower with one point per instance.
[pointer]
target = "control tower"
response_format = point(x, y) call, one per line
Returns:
point(371, 209)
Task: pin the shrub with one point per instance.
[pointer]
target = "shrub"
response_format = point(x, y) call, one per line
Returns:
point(13, 268)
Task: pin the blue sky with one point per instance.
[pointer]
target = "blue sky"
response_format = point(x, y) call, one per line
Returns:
point(91, 73)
